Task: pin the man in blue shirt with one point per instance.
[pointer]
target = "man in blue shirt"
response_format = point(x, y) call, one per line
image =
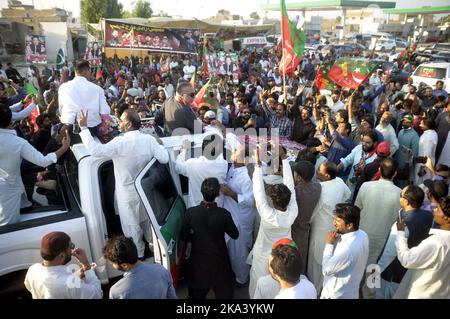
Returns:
point(439, 90)
point(140, 280)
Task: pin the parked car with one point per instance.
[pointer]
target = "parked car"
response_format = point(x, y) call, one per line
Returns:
point(384, 45)
point(85, 210)
point(429, 73)
point(400, 43)
point(358, 49)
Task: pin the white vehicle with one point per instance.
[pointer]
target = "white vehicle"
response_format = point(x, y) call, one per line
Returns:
point(384, 45)
point(430, 73)
point(400, 43)
point(84, 209)
point(382, 42)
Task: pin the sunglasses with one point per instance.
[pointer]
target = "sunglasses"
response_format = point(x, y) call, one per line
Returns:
point(190, 94)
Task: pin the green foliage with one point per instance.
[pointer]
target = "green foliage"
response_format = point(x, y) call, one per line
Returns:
point(94, 10)
point(142, 9)
point(254, 15)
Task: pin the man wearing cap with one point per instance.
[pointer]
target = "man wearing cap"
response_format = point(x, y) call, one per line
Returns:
point(54, 279)
point(408, 139)
point(377, 219)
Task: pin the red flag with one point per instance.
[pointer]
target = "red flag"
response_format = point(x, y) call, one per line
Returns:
point(200, 97)
point(293, 41)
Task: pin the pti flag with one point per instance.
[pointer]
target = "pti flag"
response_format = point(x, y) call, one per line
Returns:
point(30, 89)
point(293, 41)
point(322, 80)
point(351, 73)
point(203, 95)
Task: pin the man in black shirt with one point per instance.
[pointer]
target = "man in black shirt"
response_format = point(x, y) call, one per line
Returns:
point(205, 226)
point(178, 113)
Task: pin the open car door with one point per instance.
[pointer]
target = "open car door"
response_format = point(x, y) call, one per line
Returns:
point(165, 209)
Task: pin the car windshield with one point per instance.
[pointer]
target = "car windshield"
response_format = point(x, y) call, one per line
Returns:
point(430, 72)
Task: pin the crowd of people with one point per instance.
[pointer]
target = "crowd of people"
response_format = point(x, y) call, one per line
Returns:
point(362, 212)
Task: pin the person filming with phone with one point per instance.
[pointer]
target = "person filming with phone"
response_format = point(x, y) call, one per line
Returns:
point(53, 277)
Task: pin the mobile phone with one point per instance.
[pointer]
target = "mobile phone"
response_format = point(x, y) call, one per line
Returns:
point(420, 159)
point(253, 116)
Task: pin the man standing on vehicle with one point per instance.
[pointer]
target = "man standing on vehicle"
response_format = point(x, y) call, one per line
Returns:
point(52, 279)
point(129, 153)
point(80, 94)
point(12, 150)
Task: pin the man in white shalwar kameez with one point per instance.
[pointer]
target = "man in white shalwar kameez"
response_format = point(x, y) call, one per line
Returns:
point(130, 153)
point(239, 201)
point(379, 204)
point(334, 191)
point(276, 221)
point(210, 164)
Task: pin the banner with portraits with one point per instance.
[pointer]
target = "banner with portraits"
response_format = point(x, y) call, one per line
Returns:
point(93, 53)
point(35, 50)
point(121, 35)
point(221, 63)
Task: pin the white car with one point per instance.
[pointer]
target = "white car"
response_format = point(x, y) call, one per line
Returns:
point(400, 43)
point(430, 73)
point(384, 45)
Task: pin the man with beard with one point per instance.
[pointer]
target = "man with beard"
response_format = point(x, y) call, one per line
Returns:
point(140, 281)
point(130, 153)
point(408, 139)
point(303, 128)
point(343, 266)
point(49, 279)
point(245, 120)
point(360, 156)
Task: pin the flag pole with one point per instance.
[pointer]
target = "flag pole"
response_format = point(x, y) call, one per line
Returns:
point(282, 56)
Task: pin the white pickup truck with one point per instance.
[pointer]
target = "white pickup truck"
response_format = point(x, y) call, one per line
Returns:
point(84, 209)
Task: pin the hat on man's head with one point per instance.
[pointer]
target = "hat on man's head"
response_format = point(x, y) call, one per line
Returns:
point(438, 189)
point(54, 243)
point(210, 115)
point(383, 149)
point(284, 241)
point(407, 117)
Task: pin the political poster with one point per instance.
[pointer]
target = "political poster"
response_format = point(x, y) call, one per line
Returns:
point(35, 51)
point(93, 54)
point(221, 63)
point(121, 35)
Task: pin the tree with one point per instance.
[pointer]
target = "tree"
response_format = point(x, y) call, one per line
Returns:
point(142, 9)
point(126, 15)
point(254, 15)
point(94, 10)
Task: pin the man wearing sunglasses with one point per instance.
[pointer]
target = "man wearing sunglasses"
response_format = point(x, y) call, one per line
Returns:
point(54, 279)
point(178, 113)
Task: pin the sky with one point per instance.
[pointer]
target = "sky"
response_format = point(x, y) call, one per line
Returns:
point(200, 8)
